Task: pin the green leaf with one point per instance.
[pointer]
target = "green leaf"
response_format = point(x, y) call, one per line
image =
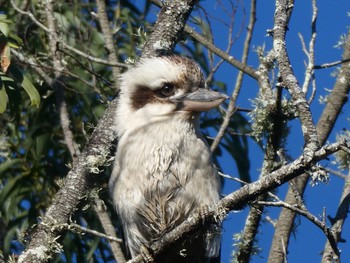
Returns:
point(92, 247)
point(21, 79)
point(32, 91)
point(8, 164)
point(4, 28)
point(14, 41)
point(3, 98)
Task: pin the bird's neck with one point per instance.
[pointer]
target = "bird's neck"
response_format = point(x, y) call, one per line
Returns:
point(164, 130)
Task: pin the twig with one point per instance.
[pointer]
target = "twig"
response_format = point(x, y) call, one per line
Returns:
point(332, 64)
point(237, 88)
point(109, 43)
point(319, 223)
point(232, 178)
point(79, 228)
point(91, 58)
point(100, 209)
point(309, 73)
point(58, 85)
point(28, 61)
point(337, 173)
point(217, 51)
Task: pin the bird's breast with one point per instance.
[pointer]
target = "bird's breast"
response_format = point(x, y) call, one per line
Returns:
point(159, 178)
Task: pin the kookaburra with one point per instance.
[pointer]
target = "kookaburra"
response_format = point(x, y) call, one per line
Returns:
point(163, 168)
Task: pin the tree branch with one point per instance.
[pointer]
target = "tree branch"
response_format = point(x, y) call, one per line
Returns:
point(320, 224)
point(109, 43)
point(78, 228)
point(58, 84)
point(289, 80)
point(100, 210)
point(309, 73)
point(335, 102)
point(165, 32)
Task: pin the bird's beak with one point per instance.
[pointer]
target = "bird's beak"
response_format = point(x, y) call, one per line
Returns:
point(199, 100)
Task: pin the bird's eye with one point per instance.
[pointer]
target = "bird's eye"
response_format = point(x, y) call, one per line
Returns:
point(167, 90)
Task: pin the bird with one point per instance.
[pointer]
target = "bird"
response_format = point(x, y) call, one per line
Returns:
point(163, 169)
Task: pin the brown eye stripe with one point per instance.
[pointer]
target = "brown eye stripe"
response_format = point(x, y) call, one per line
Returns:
point(144, 95)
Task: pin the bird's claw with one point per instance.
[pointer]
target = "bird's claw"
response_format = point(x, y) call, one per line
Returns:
point(146, 255)
point(203, 211)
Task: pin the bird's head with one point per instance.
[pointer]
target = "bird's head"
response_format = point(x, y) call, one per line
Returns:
point(162, 88)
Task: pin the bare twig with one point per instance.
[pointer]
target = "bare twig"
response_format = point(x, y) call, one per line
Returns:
point(309, 73)
point(79, 228)
point(332, 64)
point(100, 210)
point(230, 40)
point(232, 178)
point(319, 223)
point(58, 84)
point(337, 173)
point(109, 43)
point(91, 58)
point(217, 51)
point(237, 88)
point(222, 54)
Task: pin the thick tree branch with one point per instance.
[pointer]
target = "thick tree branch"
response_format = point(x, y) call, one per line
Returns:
point(288, 79)
point(94, 155)
point(273, 145)
point(165, 35)
point(335, 101)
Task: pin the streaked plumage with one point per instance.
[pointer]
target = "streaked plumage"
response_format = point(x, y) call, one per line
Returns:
point(163, 169)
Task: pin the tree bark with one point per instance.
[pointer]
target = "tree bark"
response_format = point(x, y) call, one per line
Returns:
point(336, 100)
